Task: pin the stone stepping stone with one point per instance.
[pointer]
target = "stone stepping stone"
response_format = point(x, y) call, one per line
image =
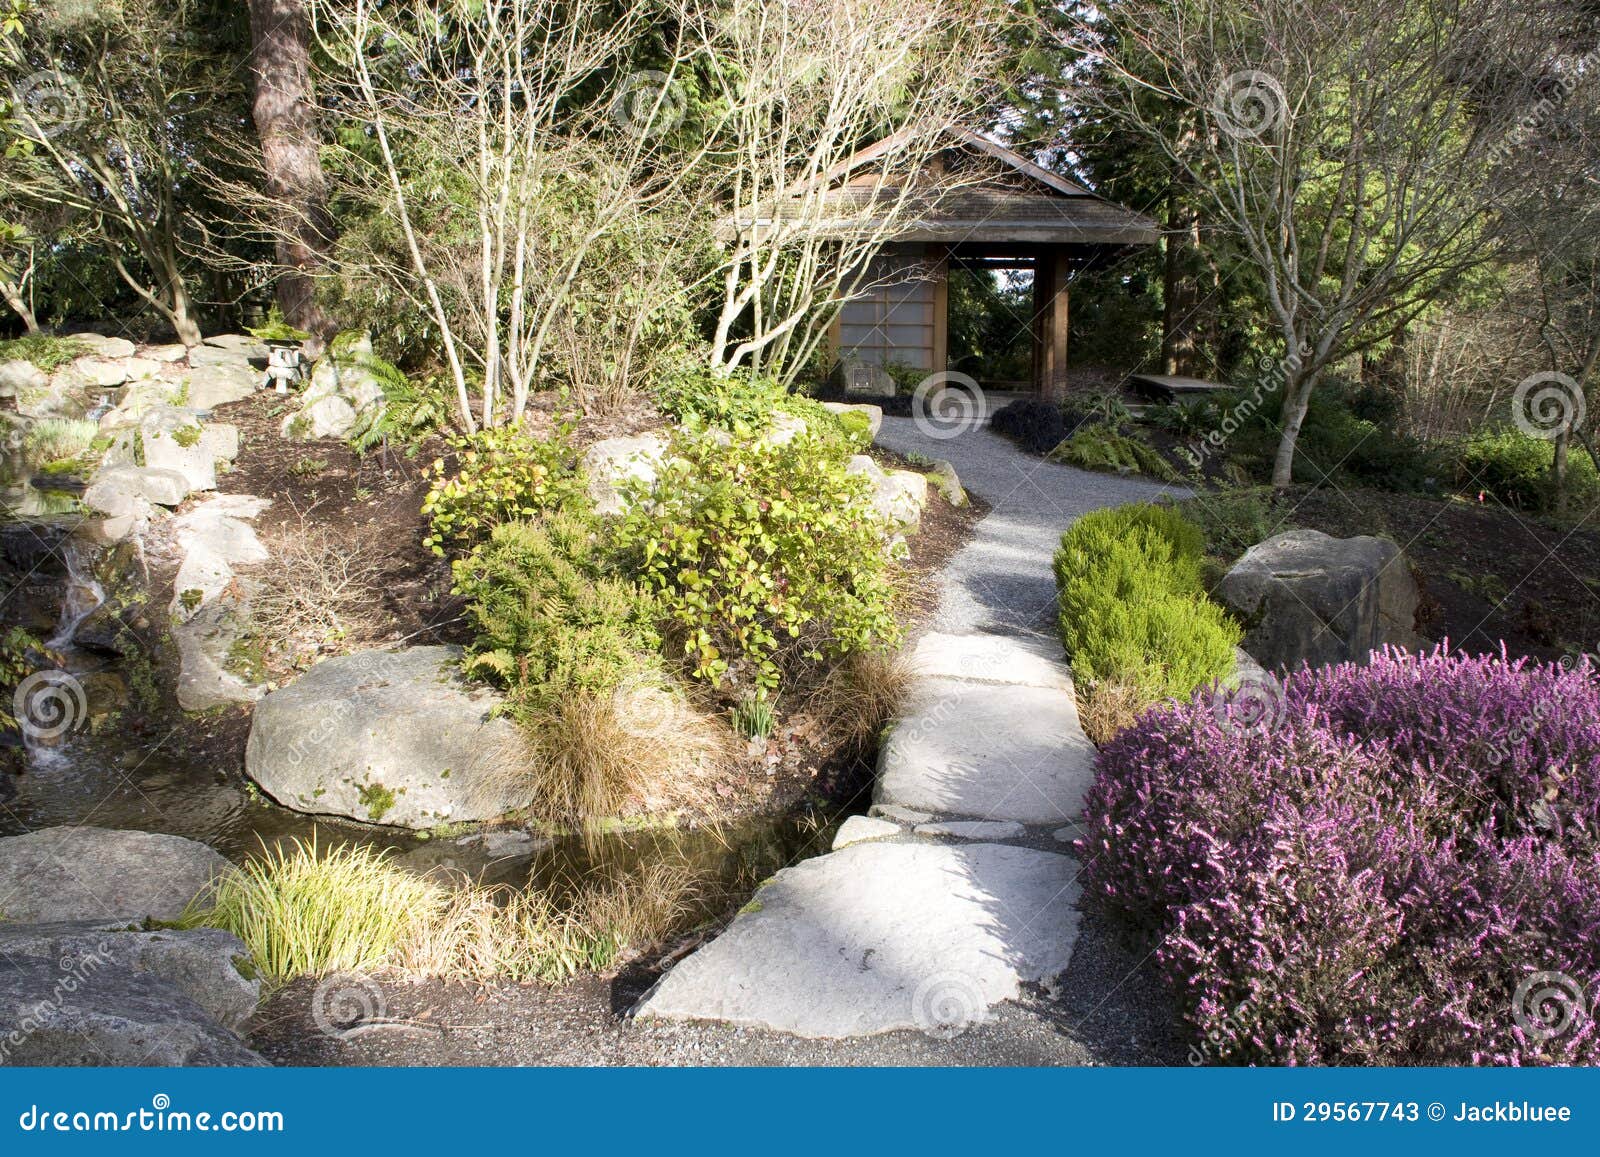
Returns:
point(1007, 659)
point(858, 828)
point(987, 751)
point(974, 829)
point(880, 936)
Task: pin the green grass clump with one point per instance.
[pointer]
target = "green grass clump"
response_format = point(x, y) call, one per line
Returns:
point(1097, 446)
point(48, 353)
point(55, 439)
point(1135, 619)
point(305, 911)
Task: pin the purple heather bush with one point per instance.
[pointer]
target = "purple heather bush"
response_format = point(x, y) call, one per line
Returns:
point(1368, 876)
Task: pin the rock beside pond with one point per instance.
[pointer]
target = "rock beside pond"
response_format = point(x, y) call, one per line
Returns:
point(209, 966)
point(1306, 597)
point(391, 737)
point(120, 490)
point(94, 1013)
point(84, 873)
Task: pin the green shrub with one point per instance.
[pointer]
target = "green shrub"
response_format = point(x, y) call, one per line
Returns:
point(1134, 616)
point(754, 549)
point(1514, 468)
point(1098, 446)
point(743, 403)
point(410, 411)
point(48, 353)
point(501, 475)
point(1234, 520)
point(546, 622)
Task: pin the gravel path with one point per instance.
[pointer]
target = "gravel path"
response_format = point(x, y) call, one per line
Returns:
point(1001, 580)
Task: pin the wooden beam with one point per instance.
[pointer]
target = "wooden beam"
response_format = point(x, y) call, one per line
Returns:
point(939, 259)
point(1051, 299)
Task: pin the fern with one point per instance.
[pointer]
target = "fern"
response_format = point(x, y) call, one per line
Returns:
point(409, 413)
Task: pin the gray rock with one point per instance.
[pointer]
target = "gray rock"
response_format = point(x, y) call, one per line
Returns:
point(203, 576)
point(341, 390)
point(84, 873)
point(18, 375)
point(172, 441)
point(165, 353)
point(214, 526)
point(119, 490)
point(987, 751)
point(217, 385)
point(900, 815)
point(393, 737)
point(897, 496)
point(1065, 835)
point(1305, 597)
point(942, 474)
point(973, 829)
point(101, 372)
point(220, 440)
point(611, 463)
point(880, 936)
point(209, 966)
point(238, 343)
point(785, 428)
point(105, 347)
point(96, 1013)
point(857, 829)
point(874, 413)
point(205, 643)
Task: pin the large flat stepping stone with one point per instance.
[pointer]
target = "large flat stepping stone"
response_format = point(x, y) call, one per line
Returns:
point(85, 873)
point(883, 936)
point(991, 659)
point(989, 752)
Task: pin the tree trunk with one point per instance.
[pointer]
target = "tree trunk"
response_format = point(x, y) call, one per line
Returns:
point(1558, 472)
point(280, 61)
point(19, 305)
point(1296, 400)
point(1180, 295)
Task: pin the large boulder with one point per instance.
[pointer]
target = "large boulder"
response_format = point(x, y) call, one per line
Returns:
point(118, 490)
point(216, 385)
point(1306, 597)
point(874, 414)
point(611, 463)
point(897, 496)
point(18, 376)
point(88, 1011)
point(209, 966)
point(172, 440)
point(342, 389)
point(391, 737)
point(84, 873)
point(102, 346)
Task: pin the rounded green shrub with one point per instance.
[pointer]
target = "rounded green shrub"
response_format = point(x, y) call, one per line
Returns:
point(501, 475)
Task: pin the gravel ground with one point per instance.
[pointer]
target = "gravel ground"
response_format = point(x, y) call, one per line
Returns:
point(1001, 581)
point(1108, 1009)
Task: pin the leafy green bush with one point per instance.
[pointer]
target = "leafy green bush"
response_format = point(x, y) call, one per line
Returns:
point(741, 402)
point(1134, 616)
point(501, 475)
point(1098, 446)
point(1514, 468)
point(754, 548)
point(410, 411)
point(1234, 520)
point(546, 622)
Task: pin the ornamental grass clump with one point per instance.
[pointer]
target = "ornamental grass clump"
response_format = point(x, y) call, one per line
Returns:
point(1377, 870)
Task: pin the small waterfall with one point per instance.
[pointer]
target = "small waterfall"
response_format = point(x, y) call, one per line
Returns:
point(84, 592)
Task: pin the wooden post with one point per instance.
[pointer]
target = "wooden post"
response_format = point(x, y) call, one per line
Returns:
point(1050, 297)
point(939, 258)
